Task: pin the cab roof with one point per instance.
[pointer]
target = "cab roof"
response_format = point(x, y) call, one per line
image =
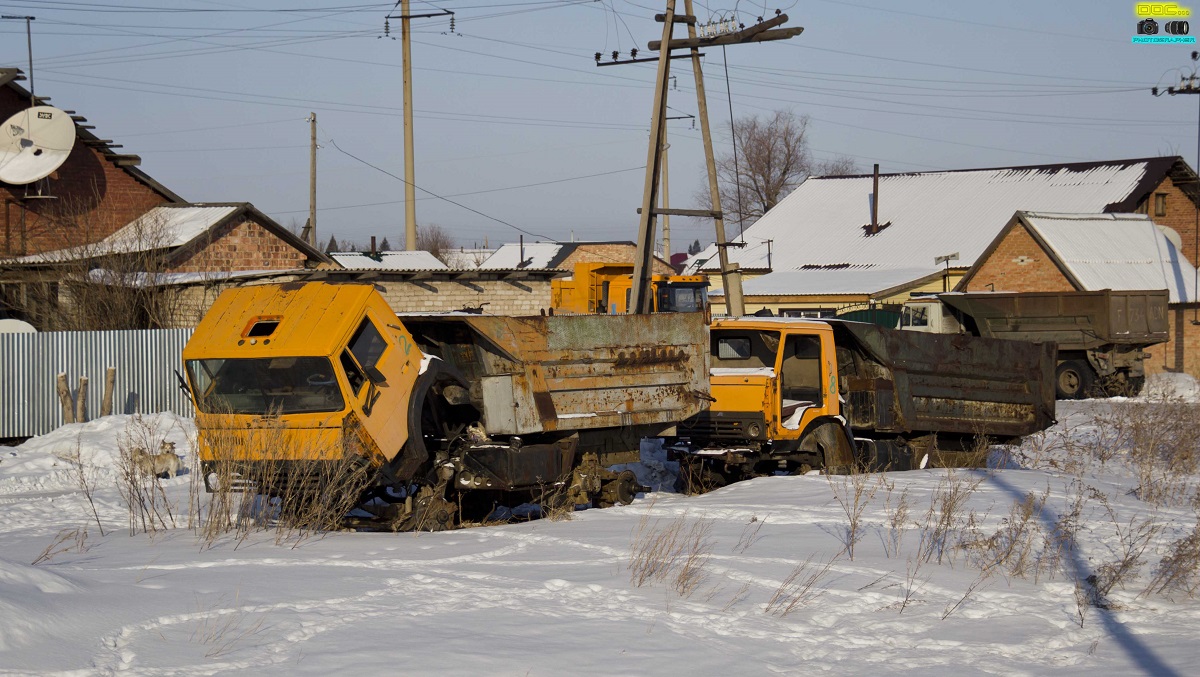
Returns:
point(313, 318)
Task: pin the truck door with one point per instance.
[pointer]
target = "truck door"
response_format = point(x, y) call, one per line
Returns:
point(800, 382)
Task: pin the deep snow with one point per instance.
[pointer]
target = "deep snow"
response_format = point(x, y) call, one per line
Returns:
point(558, 597)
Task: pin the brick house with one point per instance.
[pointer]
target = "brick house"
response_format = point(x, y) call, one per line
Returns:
point(185, 253)
point(564, 256)
point(96, 190)
point(99, 222)
point(1090, 252)
point(817, 251)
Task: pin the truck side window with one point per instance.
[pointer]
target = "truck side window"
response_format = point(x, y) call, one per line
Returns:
point(367, 344)
point(733, 348)
point(800, 373)
point(353, 374)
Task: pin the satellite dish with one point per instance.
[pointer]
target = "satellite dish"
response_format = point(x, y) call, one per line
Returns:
point(34, 143)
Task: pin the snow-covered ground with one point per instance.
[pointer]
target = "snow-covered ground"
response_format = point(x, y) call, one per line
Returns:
point(752, 579)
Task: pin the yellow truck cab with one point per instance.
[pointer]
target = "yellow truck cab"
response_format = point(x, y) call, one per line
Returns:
point(605, 288)
point(774, 384)
point(331, 359)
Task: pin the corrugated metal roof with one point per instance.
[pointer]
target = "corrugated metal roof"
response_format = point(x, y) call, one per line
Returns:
point(1115, 251)
point(163, 227)
point(850, 280)
point(466, 259)
point(536, 255)
point(389, 260)
point(930, 214)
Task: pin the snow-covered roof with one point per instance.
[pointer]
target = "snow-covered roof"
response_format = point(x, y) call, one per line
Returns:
point(869, 279)
point(1115, 251)
point(530, 255)
point(466, 259)
point(929, 214)
point(163, 227)
point(389, 260)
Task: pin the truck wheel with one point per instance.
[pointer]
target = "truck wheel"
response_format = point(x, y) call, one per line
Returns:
point(1073, 380)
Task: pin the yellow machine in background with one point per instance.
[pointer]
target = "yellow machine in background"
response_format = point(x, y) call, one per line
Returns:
point(605, 288)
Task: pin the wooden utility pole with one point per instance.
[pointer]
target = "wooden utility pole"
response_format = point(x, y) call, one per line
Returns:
point(642, 267)
point(666, 200)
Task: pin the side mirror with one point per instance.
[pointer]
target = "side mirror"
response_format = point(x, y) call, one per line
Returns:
point(375, 376)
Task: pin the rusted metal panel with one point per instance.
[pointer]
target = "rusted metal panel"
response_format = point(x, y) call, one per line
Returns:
point(905, 382)
point(574, 372)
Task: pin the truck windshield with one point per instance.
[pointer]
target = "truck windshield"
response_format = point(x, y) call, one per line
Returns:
point(680, 299)
point(263, 386)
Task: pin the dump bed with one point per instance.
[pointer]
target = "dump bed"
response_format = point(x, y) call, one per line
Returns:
point(898, 382)
point(1073, 320)
point(541, 374)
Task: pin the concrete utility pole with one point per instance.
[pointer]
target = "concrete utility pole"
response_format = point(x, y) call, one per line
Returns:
point(642, 266)
point(410, 187)
point(310, 229)
point(410, 190)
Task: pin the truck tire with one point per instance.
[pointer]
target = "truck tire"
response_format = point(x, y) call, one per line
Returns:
point(1073, 380)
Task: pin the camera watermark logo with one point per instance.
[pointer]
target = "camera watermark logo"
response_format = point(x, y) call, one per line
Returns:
point(1162, 23)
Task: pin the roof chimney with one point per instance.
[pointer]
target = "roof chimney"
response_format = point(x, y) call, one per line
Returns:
point(373, 252)
point(875, 202)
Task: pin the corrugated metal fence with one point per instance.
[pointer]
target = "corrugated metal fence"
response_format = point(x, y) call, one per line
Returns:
point(145, 361)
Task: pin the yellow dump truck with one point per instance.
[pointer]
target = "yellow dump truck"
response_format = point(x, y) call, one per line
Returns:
point(606, 287)
point(792, 395)
point(293, 379)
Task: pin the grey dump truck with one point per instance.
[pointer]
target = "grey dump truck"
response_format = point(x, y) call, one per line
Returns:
point(1102, 336)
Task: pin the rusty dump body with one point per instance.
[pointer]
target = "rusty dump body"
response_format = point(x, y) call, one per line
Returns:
point(297, 376)
point(903, 383)
point(1073, 320)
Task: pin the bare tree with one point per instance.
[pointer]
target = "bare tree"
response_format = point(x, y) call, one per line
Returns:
point(435, 240)
point(772, 158)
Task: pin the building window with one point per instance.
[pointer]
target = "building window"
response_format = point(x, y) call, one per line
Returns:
point(1160, 204)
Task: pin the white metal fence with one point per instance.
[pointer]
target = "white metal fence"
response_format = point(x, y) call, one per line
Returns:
point(145, 360)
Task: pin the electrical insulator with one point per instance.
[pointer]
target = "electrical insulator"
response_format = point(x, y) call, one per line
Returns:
point(778, 12)
point(387, 28)
point(615, 55)
point(633, 53)
point(451, 23)
point(598, 55)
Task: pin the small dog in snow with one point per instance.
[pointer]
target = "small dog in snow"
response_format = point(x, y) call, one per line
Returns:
point(163, 464)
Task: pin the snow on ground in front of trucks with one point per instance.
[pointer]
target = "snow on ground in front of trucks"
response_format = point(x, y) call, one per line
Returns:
point(753, 579)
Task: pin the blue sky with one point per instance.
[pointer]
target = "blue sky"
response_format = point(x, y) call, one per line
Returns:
point(516, 122)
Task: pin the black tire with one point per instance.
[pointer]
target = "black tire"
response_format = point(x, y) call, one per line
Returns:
point(1073, 380)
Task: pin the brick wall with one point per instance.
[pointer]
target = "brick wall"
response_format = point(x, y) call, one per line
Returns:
point(1019, 264)
point(93, 198)
point(610, 253)
point(1180, 215)
point(525, 297)
point(243, 245)
point(1182, 352)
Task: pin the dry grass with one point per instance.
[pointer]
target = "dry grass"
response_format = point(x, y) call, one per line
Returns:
point(945, 516)
point(853, 492)
point(292, 488)
point(85, 477)
point(897, 511)
point(677, 551)
point(67, 540)
point(800, 588)
point(148, 507)
point(749, 534)
point(222, 630)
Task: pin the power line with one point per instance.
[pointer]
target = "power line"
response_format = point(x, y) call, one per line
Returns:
point(444, 199)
